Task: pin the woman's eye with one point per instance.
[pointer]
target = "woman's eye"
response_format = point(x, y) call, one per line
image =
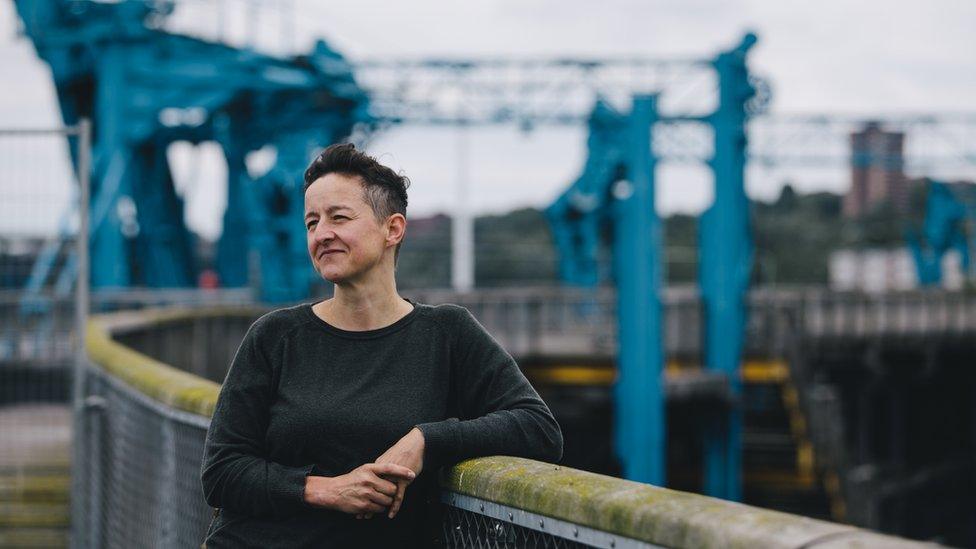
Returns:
point(310, 225)
point(337, 217)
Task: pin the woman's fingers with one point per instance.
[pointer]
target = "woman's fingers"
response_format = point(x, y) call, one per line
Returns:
point(385, 486)
point(370, 508)
point(381, 499)
point(398, 500)
point(392, 469)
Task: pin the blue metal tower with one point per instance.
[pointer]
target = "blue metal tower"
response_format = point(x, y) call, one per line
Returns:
point(616, 191)
point(578, 214)
point(942, 230)
point(145, 88)
point(637, 250)
point(725, 264)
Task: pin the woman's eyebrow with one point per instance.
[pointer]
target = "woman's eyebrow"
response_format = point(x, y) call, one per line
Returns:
point(329, 211)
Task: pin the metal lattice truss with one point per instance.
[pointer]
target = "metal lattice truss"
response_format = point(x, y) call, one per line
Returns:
point(545, 92)
point(528, 92)
point(941, 145)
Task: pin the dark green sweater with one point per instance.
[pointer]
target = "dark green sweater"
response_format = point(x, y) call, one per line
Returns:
point(304, 397)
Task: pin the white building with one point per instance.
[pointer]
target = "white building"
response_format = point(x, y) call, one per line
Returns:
point(881, 270)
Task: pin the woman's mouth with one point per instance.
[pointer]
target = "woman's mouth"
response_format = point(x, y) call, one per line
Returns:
point(330, 252)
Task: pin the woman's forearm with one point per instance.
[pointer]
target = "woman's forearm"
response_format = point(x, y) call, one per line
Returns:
point(252, 484)
point(529, 432)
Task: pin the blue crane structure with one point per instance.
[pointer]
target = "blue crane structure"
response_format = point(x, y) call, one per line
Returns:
point(145, 89)
point(530, 93)
point(943, 229)
point(616, 190)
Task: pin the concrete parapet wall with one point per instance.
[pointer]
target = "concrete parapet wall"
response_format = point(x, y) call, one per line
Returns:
point(157, 380)
point(633, 510)
point(647, 513)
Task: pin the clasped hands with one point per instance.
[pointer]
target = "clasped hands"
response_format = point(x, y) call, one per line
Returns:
point(372, 487)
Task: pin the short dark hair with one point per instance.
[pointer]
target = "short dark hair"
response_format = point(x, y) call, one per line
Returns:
point(383, 189)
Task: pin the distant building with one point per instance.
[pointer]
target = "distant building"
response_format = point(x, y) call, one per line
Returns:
point(884, 270)
point(877, 171)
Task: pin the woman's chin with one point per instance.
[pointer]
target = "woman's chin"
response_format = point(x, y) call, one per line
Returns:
point(332, 275)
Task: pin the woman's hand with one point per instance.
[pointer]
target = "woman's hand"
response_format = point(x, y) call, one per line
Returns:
point(369, 488)
point(408, 452)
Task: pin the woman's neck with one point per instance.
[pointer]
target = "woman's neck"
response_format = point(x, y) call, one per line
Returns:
point(359, 307)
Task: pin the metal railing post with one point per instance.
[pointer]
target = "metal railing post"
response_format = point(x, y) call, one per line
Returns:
point(79, 453)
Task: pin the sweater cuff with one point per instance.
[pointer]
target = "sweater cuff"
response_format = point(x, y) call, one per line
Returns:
point(287, 487)
point(441, 442)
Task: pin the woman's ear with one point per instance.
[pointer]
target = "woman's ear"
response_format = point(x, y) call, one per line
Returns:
point(396, 227)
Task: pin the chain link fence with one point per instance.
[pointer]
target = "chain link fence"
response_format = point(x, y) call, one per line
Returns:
point(142, 482)
point(473, 522)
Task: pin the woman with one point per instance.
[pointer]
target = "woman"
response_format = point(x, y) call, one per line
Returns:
point(334, 417)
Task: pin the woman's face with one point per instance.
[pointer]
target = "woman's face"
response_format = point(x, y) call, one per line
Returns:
point(344, 237)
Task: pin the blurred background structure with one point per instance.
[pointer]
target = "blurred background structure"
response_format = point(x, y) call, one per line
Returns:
point(789, 346)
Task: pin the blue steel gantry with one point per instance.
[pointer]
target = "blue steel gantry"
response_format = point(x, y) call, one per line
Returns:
point(725, 265)
point(702, 107)
point(943, 229)
point(616, 190)
point(145, 89)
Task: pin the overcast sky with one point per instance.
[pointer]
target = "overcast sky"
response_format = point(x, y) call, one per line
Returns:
point(829, 56)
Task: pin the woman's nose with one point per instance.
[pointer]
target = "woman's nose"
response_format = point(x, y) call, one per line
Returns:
point(324, 233)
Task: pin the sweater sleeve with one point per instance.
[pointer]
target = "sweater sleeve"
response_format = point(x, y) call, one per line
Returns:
point(501, 413)
point(235, 473)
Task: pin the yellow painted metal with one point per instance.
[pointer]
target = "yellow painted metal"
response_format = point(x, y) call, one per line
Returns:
point(24, 487)
point(753, 371)
point(789, 480)
point(573, 375)
point(29, 536)
point(765, 371)
point(14, 514)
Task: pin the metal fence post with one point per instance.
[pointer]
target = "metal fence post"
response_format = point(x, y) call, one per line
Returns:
point(78, 457)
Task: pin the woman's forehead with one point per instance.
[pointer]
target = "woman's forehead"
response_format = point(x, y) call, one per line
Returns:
point(328, 192)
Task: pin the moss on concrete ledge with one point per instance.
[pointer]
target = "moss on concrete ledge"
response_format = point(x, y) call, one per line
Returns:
point(644, 512)
point(155, 379)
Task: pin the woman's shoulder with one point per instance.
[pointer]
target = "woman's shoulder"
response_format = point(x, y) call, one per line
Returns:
point(276, 323)
point(446, 312)
point(454, 319)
